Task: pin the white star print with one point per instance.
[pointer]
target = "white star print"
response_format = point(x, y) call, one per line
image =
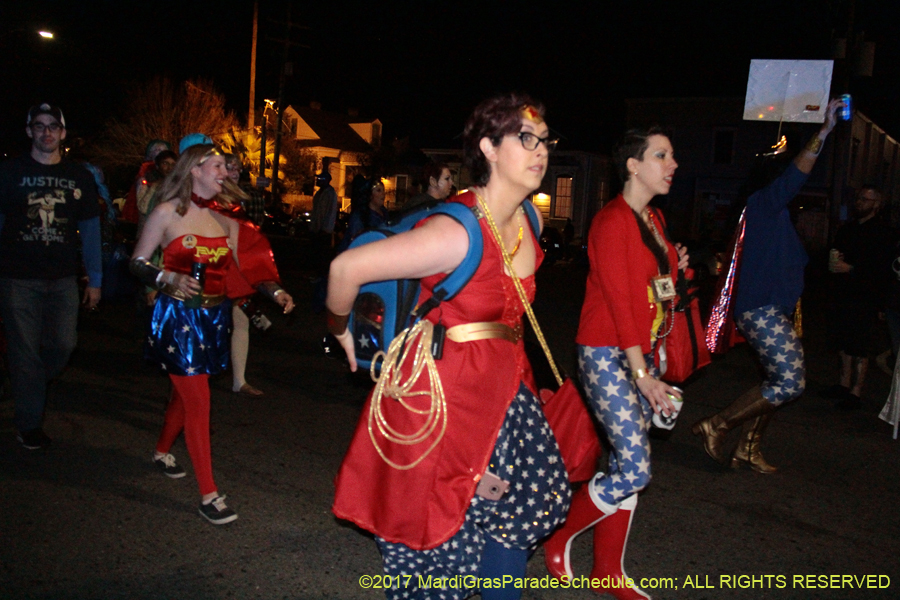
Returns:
point(186, 328)
point(171, 349)
point(635, 439)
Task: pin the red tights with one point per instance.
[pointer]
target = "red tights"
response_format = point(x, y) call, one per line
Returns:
point(189, 410)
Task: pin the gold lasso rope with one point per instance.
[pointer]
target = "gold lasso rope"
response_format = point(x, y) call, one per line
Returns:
point(415, 342)
point(521, 290)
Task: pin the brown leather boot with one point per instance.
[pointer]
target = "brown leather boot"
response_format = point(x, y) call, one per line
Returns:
point(747, 451)
point(714, 429)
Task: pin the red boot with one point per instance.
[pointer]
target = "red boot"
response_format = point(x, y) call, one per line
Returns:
point(610, 539)
point(583, 514)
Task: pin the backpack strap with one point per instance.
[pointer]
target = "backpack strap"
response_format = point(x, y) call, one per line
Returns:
point(531, 212)
point(451, 285)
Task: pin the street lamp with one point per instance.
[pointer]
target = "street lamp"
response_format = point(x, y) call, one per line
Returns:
point(47, 35)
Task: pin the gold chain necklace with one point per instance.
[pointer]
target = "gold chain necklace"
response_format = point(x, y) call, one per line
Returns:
point(518, 285)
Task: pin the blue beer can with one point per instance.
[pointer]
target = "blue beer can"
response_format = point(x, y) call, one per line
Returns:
point(846, 111)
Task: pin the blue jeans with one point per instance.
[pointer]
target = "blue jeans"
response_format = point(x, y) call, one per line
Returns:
point(39, 317)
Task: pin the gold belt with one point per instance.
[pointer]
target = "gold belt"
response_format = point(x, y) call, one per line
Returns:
point(206, 301)
point(470, 332)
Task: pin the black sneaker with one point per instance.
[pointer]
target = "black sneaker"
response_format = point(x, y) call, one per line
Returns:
point(35, 439)
point(216, 512)
point(168, 466)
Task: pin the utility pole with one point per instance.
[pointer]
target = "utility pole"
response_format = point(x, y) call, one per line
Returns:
point(286, 69)
point(251, 113)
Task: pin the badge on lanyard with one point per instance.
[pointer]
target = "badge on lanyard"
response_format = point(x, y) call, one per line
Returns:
point(663, 288)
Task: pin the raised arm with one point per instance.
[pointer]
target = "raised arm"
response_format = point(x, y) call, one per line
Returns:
point(808, 156)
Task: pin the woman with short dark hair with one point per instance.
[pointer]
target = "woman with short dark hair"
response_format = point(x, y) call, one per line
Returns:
point(488, 428)
point(626, 313)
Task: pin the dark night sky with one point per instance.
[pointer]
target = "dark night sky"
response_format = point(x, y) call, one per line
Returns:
point(421, 66)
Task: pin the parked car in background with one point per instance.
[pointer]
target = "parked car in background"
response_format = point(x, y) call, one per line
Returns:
point(299, 224)
point(276, 222)
point(552, 244)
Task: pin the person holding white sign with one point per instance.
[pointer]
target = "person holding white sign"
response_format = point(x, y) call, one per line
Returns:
point(767, 290)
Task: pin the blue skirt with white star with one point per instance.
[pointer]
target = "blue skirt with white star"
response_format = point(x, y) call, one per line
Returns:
point(526, 455)
point(189, 341)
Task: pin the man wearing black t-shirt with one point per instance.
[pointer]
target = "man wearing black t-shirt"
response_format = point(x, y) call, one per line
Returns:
point(46, 204)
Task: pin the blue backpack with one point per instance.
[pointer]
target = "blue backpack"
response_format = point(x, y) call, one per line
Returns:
point(383, 309)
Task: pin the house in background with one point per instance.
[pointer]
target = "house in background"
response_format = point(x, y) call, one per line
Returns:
point(576, 185)
point(340, 142)
point(716, 150)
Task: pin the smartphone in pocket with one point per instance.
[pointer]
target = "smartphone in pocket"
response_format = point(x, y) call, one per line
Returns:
point(491, 486)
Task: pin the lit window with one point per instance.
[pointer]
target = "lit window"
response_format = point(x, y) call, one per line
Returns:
point(562, 209)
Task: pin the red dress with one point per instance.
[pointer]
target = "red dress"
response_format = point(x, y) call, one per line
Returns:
point(424, 506)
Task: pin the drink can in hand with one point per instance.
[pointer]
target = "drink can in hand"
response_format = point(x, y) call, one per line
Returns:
point(664, 421)
point(833, 257)
point(846, 111)
point(198, 272)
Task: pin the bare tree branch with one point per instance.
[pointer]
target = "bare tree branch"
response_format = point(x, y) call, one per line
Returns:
point(160, 109)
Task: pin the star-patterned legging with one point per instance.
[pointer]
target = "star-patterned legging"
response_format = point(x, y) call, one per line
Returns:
point(625, 415)
point(771, 333)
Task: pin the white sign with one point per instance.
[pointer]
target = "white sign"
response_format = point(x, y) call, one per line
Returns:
point(788, 90)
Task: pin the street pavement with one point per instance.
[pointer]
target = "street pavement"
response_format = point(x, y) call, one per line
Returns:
point(90, 518)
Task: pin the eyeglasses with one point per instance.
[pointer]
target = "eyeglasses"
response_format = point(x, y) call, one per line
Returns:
point(41, 127)
point(237, 168)
point(531, 141)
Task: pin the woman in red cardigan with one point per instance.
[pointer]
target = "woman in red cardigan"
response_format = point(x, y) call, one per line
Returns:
point(628, 289)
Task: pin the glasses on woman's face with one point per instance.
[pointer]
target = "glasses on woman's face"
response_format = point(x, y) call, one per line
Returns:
point(39, 128)
point(531, 141)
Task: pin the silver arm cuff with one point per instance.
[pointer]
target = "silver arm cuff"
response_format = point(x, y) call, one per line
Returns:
point(270, 288)
point(146, 272)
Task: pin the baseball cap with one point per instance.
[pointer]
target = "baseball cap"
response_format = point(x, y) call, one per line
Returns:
point(46, 109)
point(193, 139)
